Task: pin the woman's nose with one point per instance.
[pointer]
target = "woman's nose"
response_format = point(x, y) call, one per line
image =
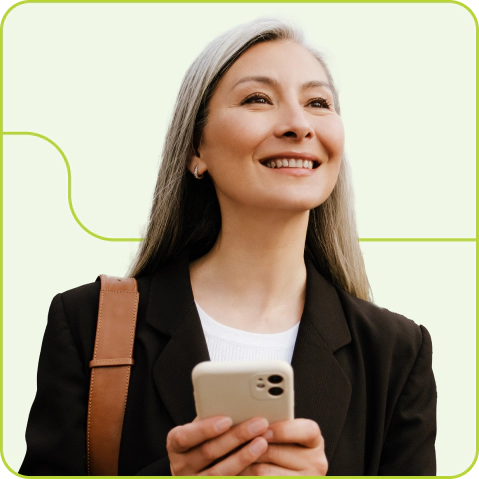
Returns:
point(294, 123)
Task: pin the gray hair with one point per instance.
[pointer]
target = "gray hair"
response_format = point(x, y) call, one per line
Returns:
point(185, 214)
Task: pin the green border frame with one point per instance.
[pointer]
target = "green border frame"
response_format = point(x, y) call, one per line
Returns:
point(104, 238)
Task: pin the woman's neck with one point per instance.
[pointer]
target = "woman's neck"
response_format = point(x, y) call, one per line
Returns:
point(254, 278)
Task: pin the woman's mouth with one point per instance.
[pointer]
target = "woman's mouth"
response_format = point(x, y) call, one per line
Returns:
point(290, 163)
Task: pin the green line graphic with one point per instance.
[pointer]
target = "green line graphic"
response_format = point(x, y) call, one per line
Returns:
point(104, 238)
point(417, 240)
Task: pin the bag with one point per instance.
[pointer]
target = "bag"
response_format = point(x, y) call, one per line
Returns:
point(110, 373)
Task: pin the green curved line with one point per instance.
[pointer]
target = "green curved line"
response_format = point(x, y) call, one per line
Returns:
point(104, 238)
point(418, 240)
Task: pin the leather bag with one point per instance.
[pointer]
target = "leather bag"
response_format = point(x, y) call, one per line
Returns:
point(110, 373)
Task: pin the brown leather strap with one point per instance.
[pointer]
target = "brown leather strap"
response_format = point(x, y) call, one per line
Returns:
point(110, 374)
point(98, 363)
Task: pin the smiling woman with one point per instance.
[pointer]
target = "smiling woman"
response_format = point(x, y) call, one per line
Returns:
point(251, 252)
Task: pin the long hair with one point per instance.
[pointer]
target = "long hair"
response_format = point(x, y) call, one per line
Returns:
point(185, 214)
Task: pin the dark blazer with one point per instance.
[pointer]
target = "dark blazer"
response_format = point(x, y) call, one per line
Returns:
point(361, 372)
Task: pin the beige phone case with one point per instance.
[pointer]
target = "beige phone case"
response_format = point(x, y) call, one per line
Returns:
point(244, 389)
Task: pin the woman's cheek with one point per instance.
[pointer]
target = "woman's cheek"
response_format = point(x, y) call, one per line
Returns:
point(244, 136)
point(332, 137)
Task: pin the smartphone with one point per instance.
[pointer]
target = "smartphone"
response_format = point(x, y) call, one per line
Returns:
point(244, 389)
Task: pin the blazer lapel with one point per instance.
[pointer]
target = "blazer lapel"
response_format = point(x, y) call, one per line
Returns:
point(171, 310)
point(322, 389)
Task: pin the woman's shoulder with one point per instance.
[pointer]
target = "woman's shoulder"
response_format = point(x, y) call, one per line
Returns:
point(76, 298)
point(378, 327)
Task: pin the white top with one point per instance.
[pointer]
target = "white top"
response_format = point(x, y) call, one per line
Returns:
point(230, 344)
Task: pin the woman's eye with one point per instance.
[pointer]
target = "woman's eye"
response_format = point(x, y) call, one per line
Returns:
point(320, 103)
point(261, 99)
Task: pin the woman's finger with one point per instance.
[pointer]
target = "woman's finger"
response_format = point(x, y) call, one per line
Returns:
point(298, 458)
point(240, 460)
point(284, 455)
point(183, 438)
point(211, 450)
point(265, 469)
point(298, 431)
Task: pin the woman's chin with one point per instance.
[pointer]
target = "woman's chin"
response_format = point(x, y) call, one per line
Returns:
point(285, 205)
point(298, 203)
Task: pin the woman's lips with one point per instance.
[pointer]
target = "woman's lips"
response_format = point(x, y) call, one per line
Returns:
point(293, 171)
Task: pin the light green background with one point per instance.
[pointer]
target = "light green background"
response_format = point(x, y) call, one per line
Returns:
point(100, 80)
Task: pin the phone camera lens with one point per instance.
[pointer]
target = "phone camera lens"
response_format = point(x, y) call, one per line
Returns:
point(276, 391)
point(260, 385)
point(275, 379)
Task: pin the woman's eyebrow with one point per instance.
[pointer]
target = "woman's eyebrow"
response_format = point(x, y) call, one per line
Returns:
point(274, 83)
point(315, 84)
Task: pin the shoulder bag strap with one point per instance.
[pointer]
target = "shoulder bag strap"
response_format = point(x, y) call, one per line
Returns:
point(110, 373)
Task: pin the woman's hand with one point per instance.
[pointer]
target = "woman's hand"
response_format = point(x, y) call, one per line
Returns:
point(296, 448)
point(198, 448)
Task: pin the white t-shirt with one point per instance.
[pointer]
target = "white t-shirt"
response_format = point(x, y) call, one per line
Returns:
point(230, 344)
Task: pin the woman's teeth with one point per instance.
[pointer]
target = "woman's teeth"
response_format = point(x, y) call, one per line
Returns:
point(289, 164)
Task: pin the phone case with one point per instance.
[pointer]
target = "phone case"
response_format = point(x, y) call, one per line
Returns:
point(244, 389)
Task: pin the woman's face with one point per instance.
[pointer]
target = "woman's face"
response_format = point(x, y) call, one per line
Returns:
point(273, 138)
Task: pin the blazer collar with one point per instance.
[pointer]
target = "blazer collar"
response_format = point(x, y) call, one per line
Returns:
point(170, 296)
point(323, 309)
point(322, 389)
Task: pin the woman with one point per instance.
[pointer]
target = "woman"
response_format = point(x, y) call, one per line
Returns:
point(251, 252)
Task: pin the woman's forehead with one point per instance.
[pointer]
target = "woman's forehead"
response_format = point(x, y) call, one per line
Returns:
point(278, 60)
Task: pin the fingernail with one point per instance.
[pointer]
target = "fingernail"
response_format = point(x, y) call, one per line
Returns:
point(257, 447)
point(223, 424)
point(257, 426)
point(268, 435)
